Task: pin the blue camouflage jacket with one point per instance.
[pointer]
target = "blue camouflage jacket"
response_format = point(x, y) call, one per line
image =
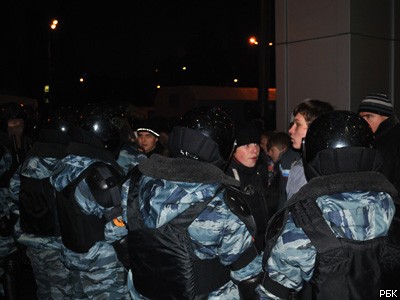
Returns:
point(168, 187)
point(102, 254)
point(39, 168)
point(7, 206)
point(361, 213)
point(129, 156)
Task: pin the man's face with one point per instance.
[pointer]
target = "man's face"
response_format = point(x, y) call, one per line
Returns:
point(15, 127)
point(298, 131)
point(275, 153)
point(374, 120)
point(247, 155)
point(146, 140)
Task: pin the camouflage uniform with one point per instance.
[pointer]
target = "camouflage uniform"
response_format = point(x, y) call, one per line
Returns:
point(129, 156)
point(96, 274)
point(52, 278)
point(216, 232)
point(353, 215)
point(7, 242)
point(5, 161)
point(42, 249)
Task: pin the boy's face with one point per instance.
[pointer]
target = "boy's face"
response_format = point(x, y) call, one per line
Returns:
point(248, 154)
point(298, 131)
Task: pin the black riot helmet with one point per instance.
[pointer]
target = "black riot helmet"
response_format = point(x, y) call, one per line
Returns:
point(58, 117)
point(203, 133)
point(338, 142)
point(55, 122)
point(105, 122)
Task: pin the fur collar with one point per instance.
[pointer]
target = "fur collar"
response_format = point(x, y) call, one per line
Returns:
point(184, 170)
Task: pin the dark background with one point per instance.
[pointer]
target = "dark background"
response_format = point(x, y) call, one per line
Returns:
point(118, 46)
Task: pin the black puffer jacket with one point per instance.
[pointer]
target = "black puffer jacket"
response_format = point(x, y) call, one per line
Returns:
point(388, 144)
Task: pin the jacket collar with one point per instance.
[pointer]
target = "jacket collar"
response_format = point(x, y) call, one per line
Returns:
point(344, 182)
point(386, 125)
point(184, 170)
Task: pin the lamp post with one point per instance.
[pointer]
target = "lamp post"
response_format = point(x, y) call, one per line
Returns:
point(266, 8)
point(48, 89)
point(263, 74)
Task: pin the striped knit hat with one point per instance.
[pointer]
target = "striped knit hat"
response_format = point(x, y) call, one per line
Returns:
point(376, 103)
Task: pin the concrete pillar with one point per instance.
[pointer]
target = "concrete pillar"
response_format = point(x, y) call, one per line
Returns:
point(335, 51)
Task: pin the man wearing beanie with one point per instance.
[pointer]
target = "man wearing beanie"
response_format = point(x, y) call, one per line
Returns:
point(252, 172)
point(148, 135)
point(377, 110)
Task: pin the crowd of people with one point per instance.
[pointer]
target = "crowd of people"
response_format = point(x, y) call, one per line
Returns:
point(97, 205)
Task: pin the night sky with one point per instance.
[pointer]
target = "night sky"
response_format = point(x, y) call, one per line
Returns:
point(118, 47)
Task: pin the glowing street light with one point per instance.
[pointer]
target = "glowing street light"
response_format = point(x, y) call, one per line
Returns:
point(253, 40)
point(49, 87)
point(53, 24)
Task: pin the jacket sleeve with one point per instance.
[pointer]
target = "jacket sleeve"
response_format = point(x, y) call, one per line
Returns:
point(292, 258)
point(296, 179)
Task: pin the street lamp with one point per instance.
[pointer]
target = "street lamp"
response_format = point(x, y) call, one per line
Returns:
point(49, 88)
point(266, 8)
point(253, 40)
point(54, 24)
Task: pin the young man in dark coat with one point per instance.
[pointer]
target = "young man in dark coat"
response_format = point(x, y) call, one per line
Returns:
point(377, 110)
point(247, 167)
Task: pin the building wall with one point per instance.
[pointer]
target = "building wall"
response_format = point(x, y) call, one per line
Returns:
point(241, 103)
point(336, 51)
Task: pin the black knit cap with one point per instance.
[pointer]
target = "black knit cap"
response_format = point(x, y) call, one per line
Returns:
point(247, 134)
point(149, 125)
point(377, 103)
